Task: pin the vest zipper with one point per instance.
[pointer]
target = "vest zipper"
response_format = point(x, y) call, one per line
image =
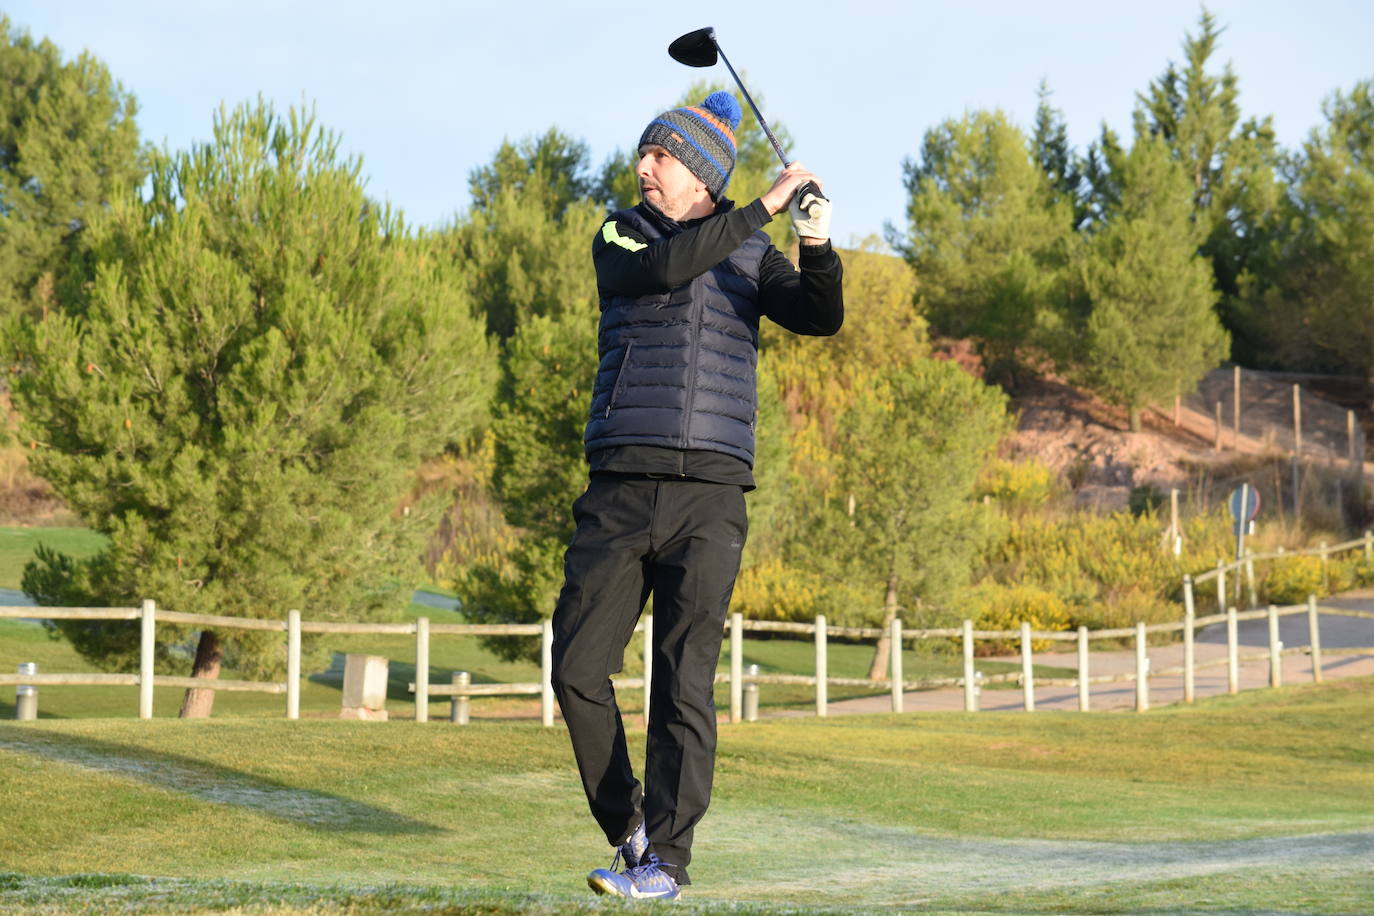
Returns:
point(620, 376)
point(698, 311)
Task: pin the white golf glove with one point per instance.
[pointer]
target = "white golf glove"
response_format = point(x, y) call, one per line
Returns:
point(810, 217)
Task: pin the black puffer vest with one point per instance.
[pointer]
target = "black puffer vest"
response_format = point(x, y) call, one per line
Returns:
point(678, 368)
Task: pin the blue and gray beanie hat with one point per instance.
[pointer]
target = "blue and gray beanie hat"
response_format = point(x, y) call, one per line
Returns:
point(701, 137)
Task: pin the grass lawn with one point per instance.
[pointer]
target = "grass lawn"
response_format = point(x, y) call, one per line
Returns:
point(1262, 802)
point(17, 546)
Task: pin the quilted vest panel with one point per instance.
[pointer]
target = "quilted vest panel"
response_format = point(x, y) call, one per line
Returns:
point(677, 369)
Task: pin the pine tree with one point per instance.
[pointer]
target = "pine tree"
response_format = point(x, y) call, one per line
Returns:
point(1311, 296)
point(987, 238)
point(526, 251)
point(1230, 165)
point(912, 446)
point(68, 145)
point(1150, 329)
point(241, 396)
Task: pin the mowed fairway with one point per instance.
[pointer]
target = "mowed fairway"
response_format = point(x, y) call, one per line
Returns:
point(1263, 802)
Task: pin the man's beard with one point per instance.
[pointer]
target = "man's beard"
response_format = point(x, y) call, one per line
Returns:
point(674, 208)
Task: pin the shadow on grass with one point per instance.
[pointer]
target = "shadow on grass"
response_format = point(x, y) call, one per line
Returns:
point(216, 784)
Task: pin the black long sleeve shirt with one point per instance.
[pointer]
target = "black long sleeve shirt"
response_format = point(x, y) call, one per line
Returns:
point(809, 301)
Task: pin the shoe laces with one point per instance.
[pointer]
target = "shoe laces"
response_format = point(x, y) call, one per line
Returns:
point(650, 870)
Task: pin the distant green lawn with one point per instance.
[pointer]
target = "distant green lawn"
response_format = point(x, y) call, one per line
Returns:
point(1258, 803)
point(17, 547)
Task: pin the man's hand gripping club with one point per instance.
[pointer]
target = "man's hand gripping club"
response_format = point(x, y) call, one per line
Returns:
point(810, 217)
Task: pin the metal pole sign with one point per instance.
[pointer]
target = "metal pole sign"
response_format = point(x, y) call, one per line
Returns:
point(1244, 503)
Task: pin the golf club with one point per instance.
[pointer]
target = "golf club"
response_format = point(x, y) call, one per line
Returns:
point(700, 49)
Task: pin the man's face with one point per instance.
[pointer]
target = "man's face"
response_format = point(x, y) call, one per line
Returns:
point(666, 183)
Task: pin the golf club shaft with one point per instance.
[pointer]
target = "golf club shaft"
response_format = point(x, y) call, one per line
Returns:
point(810, 186)
point(777, 147)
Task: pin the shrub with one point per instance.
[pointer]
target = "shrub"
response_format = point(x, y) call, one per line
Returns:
point(1018, 486)
point(1003, 607)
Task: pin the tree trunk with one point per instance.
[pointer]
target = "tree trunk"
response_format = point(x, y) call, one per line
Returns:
point(878, 670)
point(197, 703)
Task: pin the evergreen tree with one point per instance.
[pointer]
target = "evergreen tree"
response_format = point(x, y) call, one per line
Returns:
point(552, 164)
point(911, 449)
point(241, 396)
point(68, 145)
point(1311, 296)
point(525, 243)
point(1150, 329)
point(987, 238)
point(1230, 165)
point(528, 257)
point(1062, 167)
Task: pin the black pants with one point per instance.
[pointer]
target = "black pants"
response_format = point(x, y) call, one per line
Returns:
point(679, 540)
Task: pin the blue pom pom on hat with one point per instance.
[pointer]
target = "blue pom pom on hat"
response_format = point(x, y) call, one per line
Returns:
point(701, 137)
point(724, 106)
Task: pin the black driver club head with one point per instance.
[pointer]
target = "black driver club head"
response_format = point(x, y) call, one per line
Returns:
point(695, 49)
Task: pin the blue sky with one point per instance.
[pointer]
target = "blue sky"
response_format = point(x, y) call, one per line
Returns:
point(425, 91)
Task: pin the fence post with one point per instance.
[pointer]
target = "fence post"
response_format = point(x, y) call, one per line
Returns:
point(1350, 441)
point(1084, 691)
point(293, 664)
point(1189, 651)
point(1142, 669)
point(1250, 577)
point(1297, 423)
point(1027, 671)
point(648, 663)
point(459, 707)
point(1275, 649)
point(1315, 638)
point(546, 674)
point(1232, 661)
point(1326, 575)
point(896, 664)
point(422, 669)
point(1221, 587)
point(1369, 545)
point(1216, 444)
point(147, 642)
point(736, 666)
point(1175, 532)
point(970, 688)
point(822, 667)
point(1236, 397)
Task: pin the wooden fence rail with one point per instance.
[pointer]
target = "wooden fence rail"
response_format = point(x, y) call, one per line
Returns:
point(971, 681)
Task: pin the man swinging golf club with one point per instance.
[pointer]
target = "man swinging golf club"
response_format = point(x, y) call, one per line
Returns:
point(684, 279)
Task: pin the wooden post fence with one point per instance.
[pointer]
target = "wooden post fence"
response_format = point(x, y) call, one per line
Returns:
point(1189, 652)
point(293, 664)
point(147, 643)
point(736, 667)
point(822, 668)
point(546, 672)
point(1084, 691)
point(422, 670)
point(896, 664)
point(1027, 669)
point(1232, 660)
point(970, 688)
point(1314, 638)
point(1275, 649)
point(1142, 670)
